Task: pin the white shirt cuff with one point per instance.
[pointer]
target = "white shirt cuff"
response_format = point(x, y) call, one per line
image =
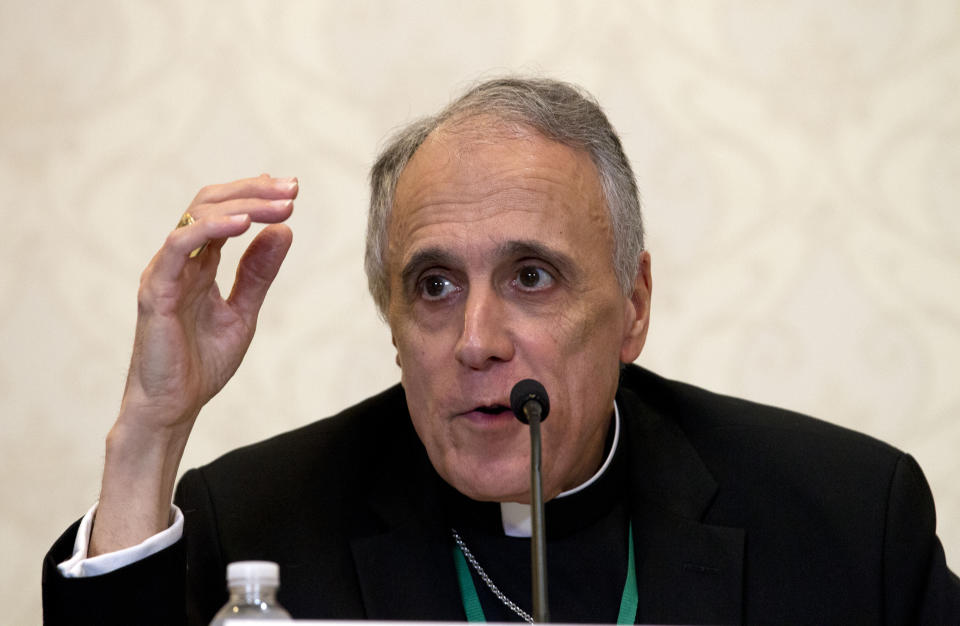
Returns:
point(79, 566)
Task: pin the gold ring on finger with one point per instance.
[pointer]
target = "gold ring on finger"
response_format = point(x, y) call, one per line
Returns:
point(185, 220)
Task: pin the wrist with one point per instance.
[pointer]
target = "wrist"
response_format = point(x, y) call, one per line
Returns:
point(146, 435)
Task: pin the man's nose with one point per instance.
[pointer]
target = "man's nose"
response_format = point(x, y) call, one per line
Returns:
point(485, 338)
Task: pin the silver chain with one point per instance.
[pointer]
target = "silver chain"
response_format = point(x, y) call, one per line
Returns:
point(510, 604)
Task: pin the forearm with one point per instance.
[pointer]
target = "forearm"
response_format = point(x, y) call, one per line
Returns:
point(140, 472)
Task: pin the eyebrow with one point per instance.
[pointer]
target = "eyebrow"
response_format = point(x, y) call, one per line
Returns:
point(434, 256)
point(530, 248)
point(427, 257)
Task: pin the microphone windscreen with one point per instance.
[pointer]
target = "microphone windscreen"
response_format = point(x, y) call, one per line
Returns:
point(525, 391)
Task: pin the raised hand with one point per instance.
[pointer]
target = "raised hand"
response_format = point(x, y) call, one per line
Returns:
point(189, 341)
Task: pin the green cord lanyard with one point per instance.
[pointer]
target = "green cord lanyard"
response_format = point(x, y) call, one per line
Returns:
point(471, 602)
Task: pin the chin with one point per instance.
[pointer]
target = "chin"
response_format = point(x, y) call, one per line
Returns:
point(499, 482)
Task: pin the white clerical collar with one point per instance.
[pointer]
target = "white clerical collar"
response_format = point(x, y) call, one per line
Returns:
point(516, 516)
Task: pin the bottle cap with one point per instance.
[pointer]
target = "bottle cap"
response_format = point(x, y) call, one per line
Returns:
point(248, 572)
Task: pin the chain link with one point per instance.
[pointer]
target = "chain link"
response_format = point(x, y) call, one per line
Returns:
point(510, 604)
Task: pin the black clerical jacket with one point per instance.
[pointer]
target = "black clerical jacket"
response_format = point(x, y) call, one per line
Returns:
point(741, 513)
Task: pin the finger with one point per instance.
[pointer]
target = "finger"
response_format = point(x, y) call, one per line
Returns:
point(173, 256)
point(259, 210)
point(260, 187)
point(258, 267)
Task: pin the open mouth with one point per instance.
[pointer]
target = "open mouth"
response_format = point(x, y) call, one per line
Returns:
point(494, 416)
point(493, 409)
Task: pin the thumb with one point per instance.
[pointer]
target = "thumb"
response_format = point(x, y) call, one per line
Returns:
point(257, 269)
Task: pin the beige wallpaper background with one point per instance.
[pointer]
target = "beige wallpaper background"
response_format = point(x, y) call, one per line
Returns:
point(800, 166)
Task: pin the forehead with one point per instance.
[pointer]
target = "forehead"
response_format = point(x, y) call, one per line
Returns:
point(470, 178)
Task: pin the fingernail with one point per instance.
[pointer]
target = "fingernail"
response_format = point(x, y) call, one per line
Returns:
point(239, 218)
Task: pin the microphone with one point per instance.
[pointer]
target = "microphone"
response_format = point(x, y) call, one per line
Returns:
point(528, 395)
point(530, 405)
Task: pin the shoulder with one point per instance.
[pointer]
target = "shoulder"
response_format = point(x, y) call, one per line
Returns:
point(754, 449)
point(707, 418)
point(840, 503)
point(385, 410)
point(332, 453)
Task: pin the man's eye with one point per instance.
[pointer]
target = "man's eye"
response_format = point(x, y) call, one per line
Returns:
point(436, 287)
point(531, 278)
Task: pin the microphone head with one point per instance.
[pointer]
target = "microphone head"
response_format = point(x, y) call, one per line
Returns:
point(525, 391)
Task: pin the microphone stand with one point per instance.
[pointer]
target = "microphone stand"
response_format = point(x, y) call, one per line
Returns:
point(538, 547)
point(530, 403)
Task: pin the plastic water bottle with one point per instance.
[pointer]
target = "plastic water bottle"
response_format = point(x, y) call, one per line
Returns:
point(253, 593)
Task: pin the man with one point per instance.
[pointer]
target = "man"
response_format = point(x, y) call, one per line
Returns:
point(504, 242)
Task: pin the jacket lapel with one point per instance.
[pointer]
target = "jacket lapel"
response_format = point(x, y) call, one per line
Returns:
point(402, 550)
point(407, 574)
point(687, 571)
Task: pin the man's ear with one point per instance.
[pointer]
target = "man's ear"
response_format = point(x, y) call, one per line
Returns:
point(393, 340)
point(638, 312)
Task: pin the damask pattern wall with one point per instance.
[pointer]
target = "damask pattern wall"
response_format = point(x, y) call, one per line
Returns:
point(800, 168)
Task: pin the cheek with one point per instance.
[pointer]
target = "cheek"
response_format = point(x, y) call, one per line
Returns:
point(414, 359)
point(415, 378)
point(424, 368)
point(586, 361)
point(422, 349)
point(590, 330)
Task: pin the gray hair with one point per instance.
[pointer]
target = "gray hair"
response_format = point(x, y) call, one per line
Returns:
point(560, 112)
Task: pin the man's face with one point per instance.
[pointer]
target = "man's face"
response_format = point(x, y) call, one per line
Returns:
point(500, 266)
